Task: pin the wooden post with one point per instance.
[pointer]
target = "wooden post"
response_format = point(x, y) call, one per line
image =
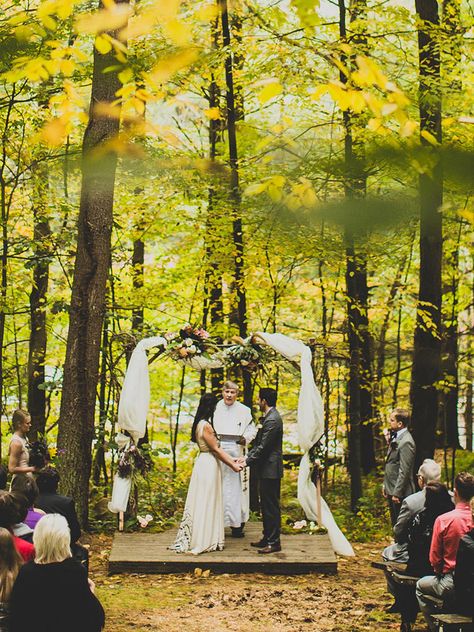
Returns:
point(318, 497)
point(121, 521)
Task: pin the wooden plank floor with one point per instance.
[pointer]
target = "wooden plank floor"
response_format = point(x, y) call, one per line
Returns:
point(148, 553)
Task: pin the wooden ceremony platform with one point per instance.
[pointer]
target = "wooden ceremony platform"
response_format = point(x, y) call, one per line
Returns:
point(301, 553)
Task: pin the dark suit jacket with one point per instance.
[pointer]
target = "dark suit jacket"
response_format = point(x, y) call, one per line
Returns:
point(266, 455)
point(398, 479)
point(64, 505)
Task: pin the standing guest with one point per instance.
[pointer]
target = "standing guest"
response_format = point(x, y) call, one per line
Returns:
point(10, 562)
point(52, 593)
point(27, 486)
point(267, 458)
point(464, 572)
point(398, 479)
point(447, 532)
point(9, 516)
point(202, 527)
point(18, 455)
point(235, 430)
point(50, 501)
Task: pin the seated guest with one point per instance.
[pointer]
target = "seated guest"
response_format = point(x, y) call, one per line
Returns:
point(51, 502)
point(21, 529)
point(447, 532)
point(464, 572)
point(9, 516)
point(28, 487)
point(428, 472)
point(52, 593)
point(420, 530)
point(10, 562)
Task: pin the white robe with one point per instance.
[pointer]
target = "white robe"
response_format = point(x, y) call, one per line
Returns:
point(234, 420)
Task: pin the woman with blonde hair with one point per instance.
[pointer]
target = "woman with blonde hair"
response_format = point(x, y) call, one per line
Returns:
point(55, 586)
point(10, 562)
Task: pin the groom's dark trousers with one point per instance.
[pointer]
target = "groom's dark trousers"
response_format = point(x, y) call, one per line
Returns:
point(266, 457)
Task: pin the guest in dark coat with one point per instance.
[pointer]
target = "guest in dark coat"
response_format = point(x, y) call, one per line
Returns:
point(420, 532)
point(464, 573)
point(51, 502)
point(52, 593)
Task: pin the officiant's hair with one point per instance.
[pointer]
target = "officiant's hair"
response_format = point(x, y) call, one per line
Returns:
point(206, 408)
point(269, 395)
point(231, 385)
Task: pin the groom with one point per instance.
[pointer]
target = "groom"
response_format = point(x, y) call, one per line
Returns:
point(267, 458)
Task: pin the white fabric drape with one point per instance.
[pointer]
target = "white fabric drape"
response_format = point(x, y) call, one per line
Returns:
point(310, 421)
point(135, 396)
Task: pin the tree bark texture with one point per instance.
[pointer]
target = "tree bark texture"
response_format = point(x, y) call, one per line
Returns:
point(38, 300)
point(76, 426)
point(426, 370)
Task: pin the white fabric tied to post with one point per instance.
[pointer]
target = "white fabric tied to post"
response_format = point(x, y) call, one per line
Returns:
point(310, 421)
point(135, 396)
point(132, 412)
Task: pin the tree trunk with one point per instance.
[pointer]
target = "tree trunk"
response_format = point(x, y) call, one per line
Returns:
point(426, 370)
point(213, 311)
point(235, 194)
point(138, 262)
point(38, 299)
point(81, 368)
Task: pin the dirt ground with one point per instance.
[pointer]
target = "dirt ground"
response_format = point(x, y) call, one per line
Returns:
point(354, 600)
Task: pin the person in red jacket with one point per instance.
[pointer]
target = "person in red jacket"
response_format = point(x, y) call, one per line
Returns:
point(448, 530)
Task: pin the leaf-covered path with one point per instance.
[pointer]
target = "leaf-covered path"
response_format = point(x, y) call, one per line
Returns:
point(354, 600)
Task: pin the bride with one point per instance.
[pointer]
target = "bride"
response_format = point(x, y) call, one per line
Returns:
point(202, 526)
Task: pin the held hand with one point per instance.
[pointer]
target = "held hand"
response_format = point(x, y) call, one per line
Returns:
point(236, 466)
point(396, 500)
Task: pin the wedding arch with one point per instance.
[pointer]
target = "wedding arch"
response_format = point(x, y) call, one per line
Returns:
point(194, 347)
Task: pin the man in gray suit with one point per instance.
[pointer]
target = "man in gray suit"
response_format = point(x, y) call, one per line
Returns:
point(266, 457)
point(398, 479)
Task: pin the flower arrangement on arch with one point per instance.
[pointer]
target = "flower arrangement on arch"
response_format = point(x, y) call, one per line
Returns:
point(246, 354)
point(190, 342)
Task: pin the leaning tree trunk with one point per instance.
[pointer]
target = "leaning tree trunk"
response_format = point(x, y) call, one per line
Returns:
point(38, 297)
point(81, 368)
point(426, 370)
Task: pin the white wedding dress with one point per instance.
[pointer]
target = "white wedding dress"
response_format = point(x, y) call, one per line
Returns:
point(202, 527)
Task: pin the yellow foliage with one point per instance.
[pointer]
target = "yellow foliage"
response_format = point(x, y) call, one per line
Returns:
point(368, 73)
point(110, 19)
point(125, 75)
point(177, 31)
point(272, 89)
point(103, 44)
point(54, 132)
point(170, 65)
point(213, 114)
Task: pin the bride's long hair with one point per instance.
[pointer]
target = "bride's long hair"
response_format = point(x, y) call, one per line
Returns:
point(206, 408)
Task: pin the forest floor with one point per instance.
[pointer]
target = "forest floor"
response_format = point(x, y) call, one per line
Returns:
point(352, 601)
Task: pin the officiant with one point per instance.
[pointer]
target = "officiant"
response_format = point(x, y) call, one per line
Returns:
point(235, 430)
